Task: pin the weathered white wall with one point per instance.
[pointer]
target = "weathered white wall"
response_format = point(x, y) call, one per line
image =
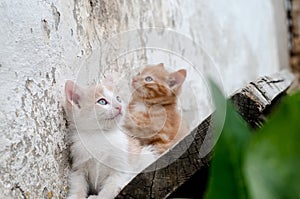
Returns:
point(45, 42)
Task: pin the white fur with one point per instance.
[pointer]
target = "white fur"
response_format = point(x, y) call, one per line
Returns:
point(146, 157)
point(140, 107)
point(99, 149)
point(99, 163)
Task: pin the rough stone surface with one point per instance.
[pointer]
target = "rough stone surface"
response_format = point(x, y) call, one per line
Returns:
point(45, 42)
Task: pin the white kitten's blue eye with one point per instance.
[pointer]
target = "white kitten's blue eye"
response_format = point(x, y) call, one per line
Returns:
point(119, 99)
point(148, 79)
point(102, 101)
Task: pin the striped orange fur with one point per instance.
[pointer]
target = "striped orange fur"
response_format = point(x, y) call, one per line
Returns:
point(152, 116)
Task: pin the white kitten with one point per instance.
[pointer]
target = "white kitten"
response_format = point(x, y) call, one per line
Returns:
point(99, 150)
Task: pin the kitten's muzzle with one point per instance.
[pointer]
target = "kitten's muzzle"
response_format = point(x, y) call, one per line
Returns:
point(119, 108)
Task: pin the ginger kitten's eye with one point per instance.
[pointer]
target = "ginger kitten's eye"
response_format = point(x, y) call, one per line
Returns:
point(148, 79)
point(119, 99)
point(102, 101)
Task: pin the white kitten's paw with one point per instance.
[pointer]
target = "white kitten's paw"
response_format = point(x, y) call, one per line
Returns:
point(107, 195)
point(93, 197)
point(75, 197)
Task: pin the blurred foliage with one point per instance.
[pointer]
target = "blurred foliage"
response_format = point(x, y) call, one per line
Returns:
point(264, 164)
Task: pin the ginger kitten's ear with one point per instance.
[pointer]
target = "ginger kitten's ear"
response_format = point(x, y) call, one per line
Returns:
point(176, 79)
point(160, 65)
point(73, 93)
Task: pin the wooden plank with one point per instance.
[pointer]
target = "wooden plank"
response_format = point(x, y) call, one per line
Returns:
point(161, 183)
point(256, 99)
point(252, 101)
point(293, 17)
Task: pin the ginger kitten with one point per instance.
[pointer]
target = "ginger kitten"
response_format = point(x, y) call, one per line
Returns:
point(152, 116)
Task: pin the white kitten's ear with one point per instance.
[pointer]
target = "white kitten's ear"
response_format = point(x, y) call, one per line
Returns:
point(73, 93)
point(109, 82)
point(176, 79)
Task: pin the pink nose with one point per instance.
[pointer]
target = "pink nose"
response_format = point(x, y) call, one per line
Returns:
point(119, 108)
point(134, 79)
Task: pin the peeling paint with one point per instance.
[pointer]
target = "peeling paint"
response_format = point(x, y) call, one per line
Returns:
point(56, 16)
point(46, 29)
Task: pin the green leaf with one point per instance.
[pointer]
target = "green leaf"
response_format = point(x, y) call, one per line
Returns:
point(273, 158)
point(226, 175)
